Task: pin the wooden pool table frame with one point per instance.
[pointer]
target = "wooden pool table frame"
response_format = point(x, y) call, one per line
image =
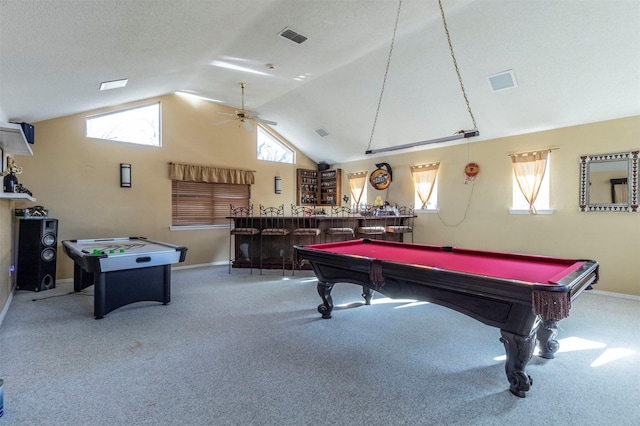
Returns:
point(502, 303)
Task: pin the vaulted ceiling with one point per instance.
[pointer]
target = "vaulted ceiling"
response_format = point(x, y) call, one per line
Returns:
point(574, 62)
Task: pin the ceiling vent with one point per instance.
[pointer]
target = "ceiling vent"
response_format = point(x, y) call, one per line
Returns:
point(288, 33)
point(322, 132)
point(502, 80)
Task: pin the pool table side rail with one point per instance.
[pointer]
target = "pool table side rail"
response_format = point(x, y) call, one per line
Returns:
point(429, 247)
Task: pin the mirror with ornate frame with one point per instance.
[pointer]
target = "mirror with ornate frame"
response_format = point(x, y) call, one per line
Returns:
point(609, 182)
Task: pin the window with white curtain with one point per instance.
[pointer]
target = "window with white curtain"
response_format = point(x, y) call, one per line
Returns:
point(520, 205)
point(425, 184)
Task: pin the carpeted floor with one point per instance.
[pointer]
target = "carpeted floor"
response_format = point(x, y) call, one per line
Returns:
point(246, 349)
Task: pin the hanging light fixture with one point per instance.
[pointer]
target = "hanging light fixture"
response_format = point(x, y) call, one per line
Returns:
point(461, 134)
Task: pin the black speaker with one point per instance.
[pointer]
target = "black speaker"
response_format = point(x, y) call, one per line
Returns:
point(37, 247)
point(27, 129)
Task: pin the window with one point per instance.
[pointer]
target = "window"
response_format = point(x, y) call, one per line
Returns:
point(425, 183)
point(203, 203)
point(139, 125)
point(358, 188)
point(531, 165)
point(271, 148)
point(432, 204)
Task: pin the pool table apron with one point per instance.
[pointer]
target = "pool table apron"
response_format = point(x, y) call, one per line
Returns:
point(505, 304)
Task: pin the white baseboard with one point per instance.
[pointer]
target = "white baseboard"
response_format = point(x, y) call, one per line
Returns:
point(201, 265)
point(6, 307)
point(612, 294)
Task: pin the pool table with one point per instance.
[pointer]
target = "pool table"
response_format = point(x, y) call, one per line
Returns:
point(123, 270)
point(523, 295)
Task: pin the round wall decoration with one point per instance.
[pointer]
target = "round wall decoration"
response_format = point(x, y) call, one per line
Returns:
point(471, 170)
point(380, 178)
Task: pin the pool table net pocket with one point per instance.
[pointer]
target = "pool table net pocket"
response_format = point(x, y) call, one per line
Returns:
point(551, 305)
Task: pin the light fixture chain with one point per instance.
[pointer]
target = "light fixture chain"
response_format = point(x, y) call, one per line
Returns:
point(386, 72)
point(455, 64)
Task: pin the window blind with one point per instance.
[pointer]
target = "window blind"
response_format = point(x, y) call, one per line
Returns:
point(203, 203)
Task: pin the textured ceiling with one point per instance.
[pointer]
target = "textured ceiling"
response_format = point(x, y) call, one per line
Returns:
point(574, 61)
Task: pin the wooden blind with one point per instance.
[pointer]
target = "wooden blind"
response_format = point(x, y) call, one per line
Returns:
point(203, 203)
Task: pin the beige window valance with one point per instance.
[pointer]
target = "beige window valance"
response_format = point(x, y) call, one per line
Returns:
point(195, 173)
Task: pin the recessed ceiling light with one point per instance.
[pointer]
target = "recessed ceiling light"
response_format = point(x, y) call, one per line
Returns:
point(108, 85)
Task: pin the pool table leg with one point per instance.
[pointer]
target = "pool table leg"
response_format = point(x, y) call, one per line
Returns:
point(367, 293)
point(324, 290)
point(547, 343)
point(519, 350)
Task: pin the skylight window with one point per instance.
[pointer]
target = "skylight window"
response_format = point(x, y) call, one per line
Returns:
point(115, 84)
point(139, 125)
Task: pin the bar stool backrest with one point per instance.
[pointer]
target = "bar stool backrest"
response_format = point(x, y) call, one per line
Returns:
point(372, 225)
point(402, 224)
point(342, 223)
point(304, 222)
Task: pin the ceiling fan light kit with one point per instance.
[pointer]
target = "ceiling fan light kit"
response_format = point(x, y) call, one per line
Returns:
point(244, 117)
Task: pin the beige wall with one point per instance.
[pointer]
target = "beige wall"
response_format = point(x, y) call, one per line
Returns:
point(613, 239)
point(77, 179)
point(6, 251)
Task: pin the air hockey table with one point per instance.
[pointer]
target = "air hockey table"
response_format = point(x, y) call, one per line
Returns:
point(123, 270)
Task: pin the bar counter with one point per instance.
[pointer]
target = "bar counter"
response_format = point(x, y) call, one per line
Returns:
point(248, 249)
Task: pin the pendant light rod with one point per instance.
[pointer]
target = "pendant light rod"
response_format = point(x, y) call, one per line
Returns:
point(462, 134)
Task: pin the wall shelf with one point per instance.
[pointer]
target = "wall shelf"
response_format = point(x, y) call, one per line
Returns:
point(317, 188)
point(12, 140)
point(16, 196)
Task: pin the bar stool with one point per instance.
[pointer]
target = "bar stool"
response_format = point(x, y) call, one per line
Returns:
point(372, 226)
point(341, 223)
point(402, 224)
point(305, 228)
point(272, 223)
point(241, 226)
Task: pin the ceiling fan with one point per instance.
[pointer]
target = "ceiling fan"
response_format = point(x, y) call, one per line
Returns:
point(244, 117)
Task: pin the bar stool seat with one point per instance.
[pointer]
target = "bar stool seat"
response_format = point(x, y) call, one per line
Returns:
point(245, 231)
point(371, 226)
point(402, 224)
point(307, 231)
point(342, 223)
point(241, 221)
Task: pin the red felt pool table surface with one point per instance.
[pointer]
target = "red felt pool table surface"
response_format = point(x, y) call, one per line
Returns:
point(521, 267)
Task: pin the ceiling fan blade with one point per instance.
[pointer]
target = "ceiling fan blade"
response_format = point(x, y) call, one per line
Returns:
point(247, 125)
point(217, 123)
point(226, 113)
point(262, 120)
